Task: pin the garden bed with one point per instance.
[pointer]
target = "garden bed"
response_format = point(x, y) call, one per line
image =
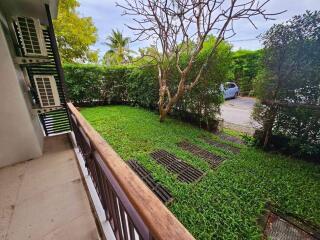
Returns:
point(227, 201)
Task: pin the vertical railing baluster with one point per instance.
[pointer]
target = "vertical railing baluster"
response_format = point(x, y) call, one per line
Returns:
point(112, 218)
point(123, 221)
point(131, 230)
point(103, 192)
point(118, 217)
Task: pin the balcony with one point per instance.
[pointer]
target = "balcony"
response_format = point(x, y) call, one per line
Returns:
point(80, 193)
point(44, 198)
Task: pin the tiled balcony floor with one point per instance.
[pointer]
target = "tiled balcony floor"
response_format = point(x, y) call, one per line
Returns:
point(44, 198)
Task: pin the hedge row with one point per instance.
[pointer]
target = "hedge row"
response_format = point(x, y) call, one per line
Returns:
point(96, 84)
point(138, 85)
point(246, 66)
point(89, 85)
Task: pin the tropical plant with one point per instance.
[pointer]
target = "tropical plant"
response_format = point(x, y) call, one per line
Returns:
point(119, 52)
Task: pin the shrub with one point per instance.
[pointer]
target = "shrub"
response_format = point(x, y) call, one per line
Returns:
point(138, 85)
point(83, 82)
point(289, 86)
point(142, 86)
point(246, 65)
point(92, 84)
point(202, 104)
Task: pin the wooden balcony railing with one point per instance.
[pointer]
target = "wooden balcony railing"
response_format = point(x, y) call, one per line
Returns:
point(133, 211)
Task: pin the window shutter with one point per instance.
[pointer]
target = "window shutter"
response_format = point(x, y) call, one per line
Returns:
point(47, 90)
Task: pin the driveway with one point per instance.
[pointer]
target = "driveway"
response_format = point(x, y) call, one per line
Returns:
point(237, 114)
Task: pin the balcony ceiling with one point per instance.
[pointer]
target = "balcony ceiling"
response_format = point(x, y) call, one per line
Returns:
point(29, 8)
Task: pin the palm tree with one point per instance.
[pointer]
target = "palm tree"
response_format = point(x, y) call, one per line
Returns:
point(119, 52)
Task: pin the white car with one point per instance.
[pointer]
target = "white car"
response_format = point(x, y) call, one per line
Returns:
point(229, 90)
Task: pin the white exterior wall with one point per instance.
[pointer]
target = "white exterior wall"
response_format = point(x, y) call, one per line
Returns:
point(21, 136)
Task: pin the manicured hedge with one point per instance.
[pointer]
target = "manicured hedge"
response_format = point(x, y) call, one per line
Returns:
point(138, 85)
point(89, 85)
point(92, 84)
point(246, 66)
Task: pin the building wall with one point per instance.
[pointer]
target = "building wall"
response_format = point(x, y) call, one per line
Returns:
point(21, 137)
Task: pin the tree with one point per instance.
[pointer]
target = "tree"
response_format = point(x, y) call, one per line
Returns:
point(119, 52)
point(174, 25)
point(202, 104)
point(289, 85)
point(74, 34)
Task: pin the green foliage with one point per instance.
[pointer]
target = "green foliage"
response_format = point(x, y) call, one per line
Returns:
point(291, 75)
point(142, 86)
point(245, 67)
point(90, 84)
point(74, 34)
point(138, 85)
point(225, 203)
point(205, 99)
point(119, 52)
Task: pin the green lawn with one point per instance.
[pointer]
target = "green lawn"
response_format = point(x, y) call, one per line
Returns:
point(225, 203)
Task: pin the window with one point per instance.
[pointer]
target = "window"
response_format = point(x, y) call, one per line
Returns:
point(229, 85)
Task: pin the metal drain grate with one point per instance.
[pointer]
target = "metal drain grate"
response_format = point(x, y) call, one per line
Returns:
point(221, 145)
point(230, 138)
point(212, 159)
point(278, 228)
point(162, 193)
point(186, 173)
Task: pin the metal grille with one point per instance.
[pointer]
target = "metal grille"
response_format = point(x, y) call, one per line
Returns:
point(55, 121)
point(230, 138)
point(47, 90)
point(186, 173)
point(280, 229)
point(162, 193)
point(46, 69)
point(51, 67)
point(30, 34)
point(212, 159)
point(59, 123)
point(221, 145)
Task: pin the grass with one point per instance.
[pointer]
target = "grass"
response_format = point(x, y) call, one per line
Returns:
point(227, 202)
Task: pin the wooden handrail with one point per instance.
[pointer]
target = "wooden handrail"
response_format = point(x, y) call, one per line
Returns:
point(160, 221)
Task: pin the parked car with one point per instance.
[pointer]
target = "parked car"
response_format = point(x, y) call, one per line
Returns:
point(230, 90)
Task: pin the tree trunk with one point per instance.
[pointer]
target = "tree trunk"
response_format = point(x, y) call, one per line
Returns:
point(164, 109)
point(165, 106)
point(268, 125)
point(163, 114)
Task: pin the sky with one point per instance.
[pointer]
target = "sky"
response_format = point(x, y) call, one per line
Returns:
point(106, 16)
